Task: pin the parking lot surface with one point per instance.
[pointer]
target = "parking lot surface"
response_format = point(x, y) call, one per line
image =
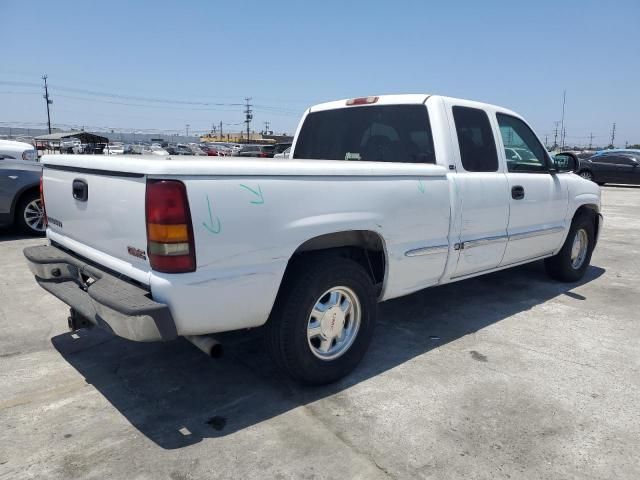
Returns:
point(509, 375)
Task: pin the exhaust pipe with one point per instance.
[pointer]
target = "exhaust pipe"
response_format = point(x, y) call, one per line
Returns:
point(208, 344)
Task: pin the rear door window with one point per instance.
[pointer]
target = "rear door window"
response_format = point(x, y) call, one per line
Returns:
point(477, 146)
point(381, 133)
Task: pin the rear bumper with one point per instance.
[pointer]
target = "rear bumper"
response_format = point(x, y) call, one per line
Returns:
point(112, 303)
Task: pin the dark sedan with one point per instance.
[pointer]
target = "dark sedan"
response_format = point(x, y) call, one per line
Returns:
point(612, 167)
point(20, 195)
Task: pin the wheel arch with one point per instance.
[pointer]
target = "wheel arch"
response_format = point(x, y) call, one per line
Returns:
point(366, 247)
point(592, 211)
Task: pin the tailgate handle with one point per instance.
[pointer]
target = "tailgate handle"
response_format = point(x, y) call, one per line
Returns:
point(80, 190)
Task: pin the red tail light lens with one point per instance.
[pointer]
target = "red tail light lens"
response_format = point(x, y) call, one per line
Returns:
point(44, 210)
point(170, 244)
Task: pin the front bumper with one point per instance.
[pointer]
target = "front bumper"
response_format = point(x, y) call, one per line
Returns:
point(117, 305)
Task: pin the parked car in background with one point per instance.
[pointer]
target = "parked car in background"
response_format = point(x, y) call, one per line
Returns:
point(20, 202)
point(12, 150)
point(178, 150)
point(157, 150)
point(614, 166)
point(114, 149)
point(195, 149)
point(280, 148)
point(71, 145)
point(261, 151)
point(213, 150)
point(284, 154)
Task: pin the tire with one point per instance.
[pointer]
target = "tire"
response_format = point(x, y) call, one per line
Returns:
point(29, 216)
point(586, 174)
point(569, 265)
point(295, 333)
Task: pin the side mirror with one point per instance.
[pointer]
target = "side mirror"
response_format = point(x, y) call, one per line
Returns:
point(564, 163)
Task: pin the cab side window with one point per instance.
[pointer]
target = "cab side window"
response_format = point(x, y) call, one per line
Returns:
point(523, 151)
point(477, 146)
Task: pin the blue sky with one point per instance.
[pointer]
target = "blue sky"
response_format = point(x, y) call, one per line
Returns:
point(152, 57)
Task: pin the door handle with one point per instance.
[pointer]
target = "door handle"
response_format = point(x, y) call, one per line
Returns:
point(517, 192)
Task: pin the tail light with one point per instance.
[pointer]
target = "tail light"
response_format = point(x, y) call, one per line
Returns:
point(170, 244)
point(44, 210)
point(263, 155)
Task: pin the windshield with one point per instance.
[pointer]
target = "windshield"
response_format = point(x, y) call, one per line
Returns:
point(382, 133)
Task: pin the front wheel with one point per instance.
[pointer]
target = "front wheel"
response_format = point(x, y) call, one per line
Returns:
point(587, 175)
point(570, 263)
point(323, 320)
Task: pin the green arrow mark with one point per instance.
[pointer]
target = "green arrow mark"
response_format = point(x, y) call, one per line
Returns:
point(258, 193)
point(212, 227)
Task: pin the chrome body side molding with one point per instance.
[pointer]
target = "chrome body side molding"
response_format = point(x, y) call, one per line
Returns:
point(416, 252)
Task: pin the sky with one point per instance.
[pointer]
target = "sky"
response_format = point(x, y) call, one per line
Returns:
point(160, 65)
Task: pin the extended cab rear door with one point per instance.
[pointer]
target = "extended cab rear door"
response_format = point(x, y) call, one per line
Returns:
point(481, 186)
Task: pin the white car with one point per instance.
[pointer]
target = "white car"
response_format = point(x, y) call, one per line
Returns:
point(114, 149)
point(284, 154)
point(12, 150)
point(157, 150)
point(383, 196)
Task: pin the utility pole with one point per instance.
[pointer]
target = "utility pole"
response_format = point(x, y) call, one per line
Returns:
point(546, 142)
point(266, 128)
point(47, 100)
point(564, 99)
point(248, 117)
point(221, 137)
point(613, 134)
point(187, 125)
point(564, 136)
point(590, 140)
point(555, 135)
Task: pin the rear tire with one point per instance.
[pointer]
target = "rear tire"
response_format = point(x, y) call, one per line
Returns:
point(570, 263)
point(323, 320)
point(30, 215)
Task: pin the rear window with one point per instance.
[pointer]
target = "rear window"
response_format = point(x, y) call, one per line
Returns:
point(382, 133)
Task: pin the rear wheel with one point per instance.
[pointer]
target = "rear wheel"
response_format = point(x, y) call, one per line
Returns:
point(323, 320)
point(30, 214)
point(573, 259)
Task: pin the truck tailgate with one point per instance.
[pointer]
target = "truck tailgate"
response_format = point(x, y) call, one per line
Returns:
point(110, 220)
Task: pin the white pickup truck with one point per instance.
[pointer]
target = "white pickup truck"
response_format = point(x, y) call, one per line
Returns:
point(382, 196)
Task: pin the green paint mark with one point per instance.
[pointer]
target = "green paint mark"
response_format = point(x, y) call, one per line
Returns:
point(258, 193)
point(212, 227)
point(421, 186)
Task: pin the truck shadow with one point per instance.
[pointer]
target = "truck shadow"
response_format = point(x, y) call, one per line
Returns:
point(176, 396)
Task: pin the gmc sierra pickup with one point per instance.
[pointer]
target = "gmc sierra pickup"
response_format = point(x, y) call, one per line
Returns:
point(382, 196)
